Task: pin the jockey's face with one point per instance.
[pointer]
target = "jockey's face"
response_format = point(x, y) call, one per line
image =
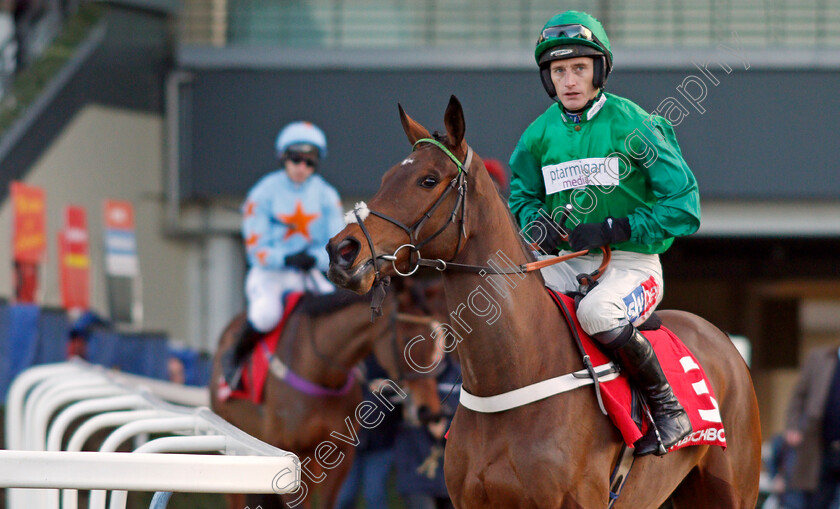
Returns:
point(572, 80)
point(300, 166)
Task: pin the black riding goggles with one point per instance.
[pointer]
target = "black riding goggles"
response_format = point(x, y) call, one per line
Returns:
point(297, 159)
point(569, 31)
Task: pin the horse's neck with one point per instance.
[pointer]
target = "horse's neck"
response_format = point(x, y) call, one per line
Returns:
point(517, 335)
point(327, 347)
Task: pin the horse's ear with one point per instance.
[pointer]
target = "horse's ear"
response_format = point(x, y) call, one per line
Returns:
point(412, 129)
point(453, 119)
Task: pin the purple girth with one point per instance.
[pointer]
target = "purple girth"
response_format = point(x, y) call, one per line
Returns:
point(298, 383)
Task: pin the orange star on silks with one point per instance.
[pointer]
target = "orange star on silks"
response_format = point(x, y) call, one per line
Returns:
point(297, 222)
point(261, 256)
point(252, 240)
point(249, 208)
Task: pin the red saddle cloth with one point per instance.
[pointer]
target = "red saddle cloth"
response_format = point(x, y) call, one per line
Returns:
point(255, 372)
point(684, 373)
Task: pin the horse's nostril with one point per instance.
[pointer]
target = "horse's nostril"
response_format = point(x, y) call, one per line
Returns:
point(348, 249)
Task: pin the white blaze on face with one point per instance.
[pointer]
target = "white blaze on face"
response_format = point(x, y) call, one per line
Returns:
point(362, 208)
point(407, 160)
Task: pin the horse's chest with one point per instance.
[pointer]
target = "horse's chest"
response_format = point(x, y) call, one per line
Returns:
point(524, 484)
point(507, 468)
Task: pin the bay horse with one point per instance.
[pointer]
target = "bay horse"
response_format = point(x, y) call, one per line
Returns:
point(323, 347)
point(556, 452)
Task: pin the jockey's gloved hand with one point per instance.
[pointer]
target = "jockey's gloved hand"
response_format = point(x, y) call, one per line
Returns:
point(547, 233)
point(593, 235)
point(301, 260)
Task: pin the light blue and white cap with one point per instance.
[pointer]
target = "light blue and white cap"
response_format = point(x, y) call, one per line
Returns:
point(301, 136)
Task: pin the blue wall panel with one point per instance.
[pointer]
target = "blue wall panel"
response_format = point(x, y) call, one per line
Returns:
point(31, 335)
point(53, 332)
point(137, 353)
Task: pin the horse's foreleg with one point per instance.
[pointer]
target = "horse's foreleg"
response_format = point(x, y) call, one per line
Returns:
point(267, 501)
point(329, 488)
point(235, 501)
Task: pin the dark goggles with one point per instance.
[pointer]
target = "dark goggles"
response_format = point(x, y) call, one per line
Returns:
point(571, 32)
point(299, 158)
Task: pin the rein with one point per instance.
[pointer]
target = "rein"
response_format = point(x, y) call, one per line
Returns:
point(519, 269)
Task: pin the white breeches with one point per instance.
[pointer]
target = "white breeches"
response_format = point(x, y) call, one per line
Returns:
point(265, 290)
point(627, 292)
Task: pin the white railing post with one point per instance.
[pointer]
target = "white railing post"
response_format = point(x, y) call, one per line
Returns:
point(44, 401)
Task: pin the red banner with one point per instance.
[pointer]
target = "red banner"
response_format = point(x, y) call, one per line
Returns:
point(26, 282)
point(29, 239)
point(74, 259)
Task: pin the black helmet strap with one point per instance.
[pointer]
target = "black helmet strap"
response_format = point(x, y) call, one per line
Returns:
point(599, 78)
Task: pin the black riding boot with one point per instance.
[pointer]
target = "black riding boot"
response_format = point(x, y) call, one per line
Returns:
point(246, 338)
point(637, 357)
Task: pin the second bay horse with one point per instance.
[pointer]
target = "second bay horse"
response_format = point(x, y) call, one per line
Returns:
point(556, 452)
point(323, 347)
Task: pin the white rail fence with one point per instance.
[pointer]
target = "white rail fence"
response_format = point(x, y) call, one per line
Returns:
point(53, 410)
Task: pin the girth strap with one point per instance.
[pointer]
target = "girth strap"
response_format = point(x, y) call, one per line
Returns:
point(282, 372)
point(587, 362)
point(535, 392)
point(620, 473)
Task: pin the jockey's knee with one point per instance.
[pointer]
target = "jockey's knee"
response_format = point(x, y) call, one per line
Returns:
point(600, 315)
point(264, 316)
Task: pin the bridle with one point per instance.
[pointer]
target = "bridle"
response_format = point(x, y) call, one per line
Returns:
point(457, 184)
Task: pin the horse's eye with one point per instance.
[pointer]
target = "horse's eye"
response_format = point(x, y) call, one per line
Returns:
point(428, 181)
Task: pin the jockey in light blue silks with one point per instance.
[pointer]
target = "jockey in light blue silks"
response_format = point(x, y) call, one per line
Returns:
point(289, 216)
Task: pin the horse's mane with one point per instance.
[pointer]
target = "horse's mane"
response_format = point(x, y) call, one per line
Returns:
point(515, 225)
point(316, 305)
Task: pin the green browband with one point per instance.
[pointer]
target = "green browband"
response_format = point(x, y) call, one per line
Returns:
point(445, 151)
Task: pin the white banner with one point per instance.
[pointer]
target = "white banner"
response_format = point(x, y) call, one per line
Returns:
point(594, 171)
point(121, 253)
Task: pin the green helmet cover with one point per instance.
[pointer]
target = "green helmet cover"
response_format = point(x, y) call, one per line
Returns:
point(574, 18)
